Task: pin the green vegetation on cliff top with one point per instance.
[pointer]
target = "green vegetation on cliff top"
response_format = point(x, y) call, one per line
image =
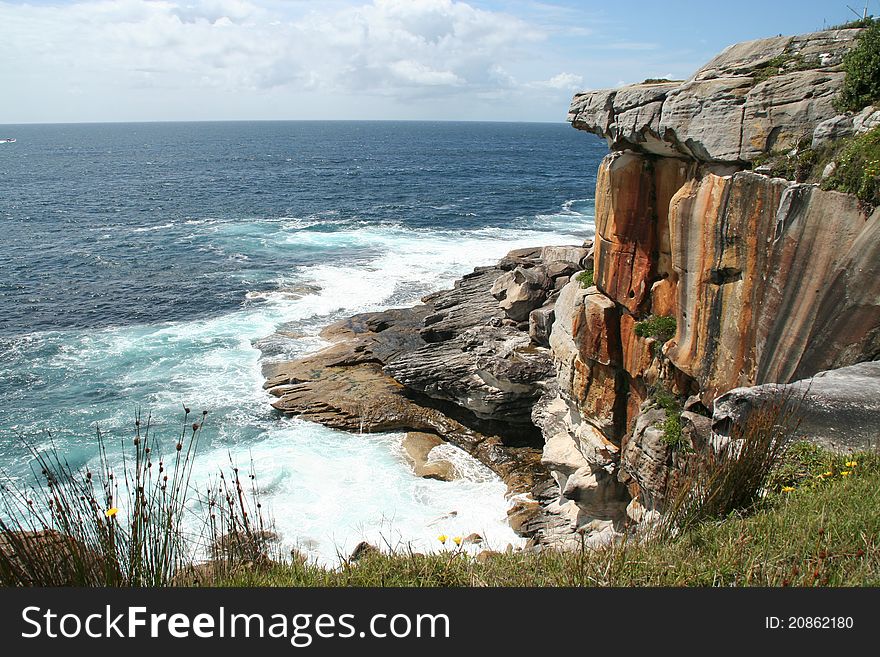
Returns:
point(861, 86)
point(855, 163)
point(857, 168)
point(585, 278)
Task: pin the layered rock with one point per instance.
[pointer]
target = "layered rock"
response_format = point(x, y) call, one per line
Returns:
point(461, 367)
point(345, 387)
point(707, 278)
point(753, 98)
point(837, 409)
point(776, 281)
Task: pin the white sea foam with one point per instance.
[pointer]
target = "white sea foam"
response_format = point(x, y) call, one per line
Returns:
point(329, 490)
point(148, 229)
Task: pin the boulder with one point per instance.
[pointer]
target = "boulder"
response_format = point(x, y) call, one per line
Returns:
point(566, 255)
point(830, 130)
point(597, 491)
point(50, 558)
point(585, 348)
point(541, 323)
point(417, 446)
point(867, 119)
point(837, 409)
point(363, 550)
point(521, 291)
point(526, 257)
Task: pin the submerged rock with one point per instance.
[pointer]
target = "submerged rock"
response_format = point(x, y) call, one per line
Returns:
point(418, 445)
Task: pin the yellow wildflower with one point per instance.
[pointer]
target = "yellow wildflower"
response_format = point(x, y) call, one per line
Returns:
point(111, 512)
point(845, 473)
point(442, 538)
point(787, 489)
point(457, 540)
point(828, 474)
point(851, 464)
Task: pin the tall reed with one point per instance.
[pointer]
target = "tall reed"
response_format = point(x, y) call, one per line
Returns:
point(140, 524)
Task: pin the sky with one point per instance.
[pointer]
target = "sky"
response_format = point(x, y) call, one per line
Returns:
point(496, 60)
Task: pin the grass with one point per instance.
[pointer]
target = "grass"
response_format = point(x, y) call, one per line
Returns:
point(777, 66)
point(139, 525)
point(731, 476)
point(824, 535)
point(800, 164)
point(858, 168)
point(672, 435)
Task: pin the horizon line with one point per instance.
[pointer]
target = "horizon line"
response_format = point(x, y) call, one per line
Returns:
point(122, 122)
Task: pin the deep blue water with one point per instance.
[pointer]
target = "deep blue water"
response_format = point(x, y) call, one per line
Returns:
point(101, 223)
point(147, 265)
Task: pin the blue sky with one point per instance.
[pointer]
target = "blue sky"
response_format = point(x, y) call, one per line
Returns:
point(510, 60)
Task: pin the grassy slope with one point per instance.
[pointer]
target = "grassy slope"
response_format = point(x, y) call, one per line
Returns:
point(824, 532)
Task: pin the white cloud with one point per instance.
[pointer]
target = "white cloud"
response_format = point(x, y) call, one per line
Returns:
point(563, 82)
point(113, 53)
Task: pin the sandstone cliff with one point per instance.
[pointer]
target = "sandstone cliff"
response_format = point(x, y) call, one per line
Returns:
point(768, 281)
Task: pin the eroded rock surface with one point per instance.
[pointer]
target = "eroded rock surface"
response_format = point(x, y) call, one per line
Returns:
point(837, 409)
point(753, 98)
point(759, 280)
point(776, 281)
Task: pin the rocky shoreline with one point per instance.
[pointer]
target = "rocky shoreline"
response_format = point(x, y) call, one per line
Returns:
point(461, 367)
point(711, 287)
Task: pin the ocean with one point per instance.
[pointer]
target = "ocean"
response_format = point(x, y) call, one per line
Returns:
point(151, 266)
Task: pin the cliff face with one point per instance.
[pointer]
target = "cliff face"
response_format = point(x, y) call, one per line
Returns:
point(768, 281)
point(775, 281)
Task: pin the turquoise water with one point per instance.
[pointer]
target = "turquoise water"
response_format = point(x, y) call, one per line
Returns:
point(148, 266)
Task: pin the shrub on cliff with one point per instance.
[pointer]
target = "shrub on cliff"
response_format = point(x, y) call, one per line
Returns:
point(732, 475)
point(861, 86)
point(585, 278)
point(661, 328)
point(857, 169)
